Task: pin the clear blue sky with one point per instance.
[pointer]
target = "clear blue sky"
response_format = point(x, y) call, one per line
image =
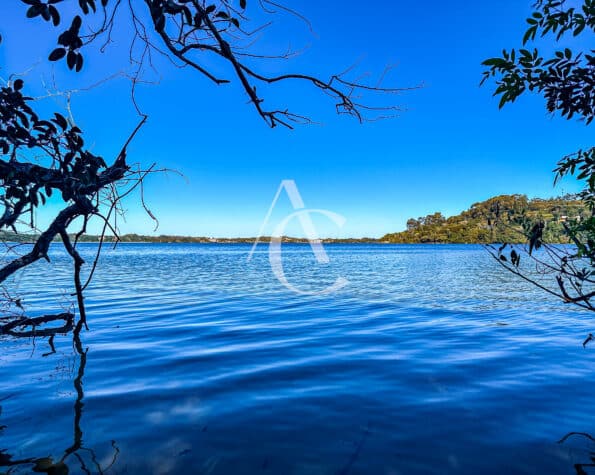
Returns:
point(450, 149)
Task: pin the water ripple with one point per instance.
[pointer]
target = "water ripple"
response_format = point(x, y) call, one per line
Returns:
point(430, 361)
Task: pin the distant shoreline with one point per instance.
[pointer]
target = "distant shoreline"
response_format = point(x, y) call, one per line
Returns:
point(134, 239)
point(191, 240)
point(109, 241)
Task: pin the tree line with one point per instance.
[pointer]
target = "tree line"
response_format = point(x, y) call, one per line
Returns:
point(505, 218)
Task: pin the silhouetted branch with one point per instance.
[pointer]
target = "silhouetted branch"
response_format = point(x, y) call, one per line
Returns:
point(9, 328)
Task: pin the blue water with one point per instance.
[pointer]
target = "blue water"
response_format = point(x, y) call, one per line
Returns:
point(431, 360)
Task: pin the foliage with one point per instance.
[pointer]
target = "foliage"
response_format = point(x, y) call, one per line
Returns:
point(565, 79)
point(43, 156)
point(503, 218)
point(188, 31)
point(567, 82)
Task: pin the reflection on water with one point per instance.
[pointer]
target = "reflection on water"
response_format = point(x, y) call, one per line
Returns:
point(582, 468)
point(76, 455)
point(430, 361)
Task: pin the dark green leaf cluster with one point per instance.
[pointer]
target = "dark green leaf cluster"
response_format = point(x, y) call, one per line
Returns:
point(582, 165)
point(67, 166)
point(553, 16)
point(185, 14)
point(566, 79)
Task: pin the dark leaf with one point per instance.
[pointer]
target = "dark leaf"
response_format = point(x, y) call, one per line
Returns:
point(57, 54)
point(84, 6)
point(60, 120)
point(34, 11)
point(71, 59)
point(55, 15)
point(79, 62)
point(77, 22)
point(45, 13)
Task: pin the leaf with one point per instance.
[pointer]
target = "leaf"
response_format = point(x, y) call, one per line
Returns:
point(55, 15)
point(33, 11)
point(515, 258)
point(530, 34)
point(45, 13)
point(503, 100)
point(497, 62)
point(57, 54)
point(71, 59)
point(60, 120)
point(84, 6)
point(578, 30)
point(535, 238)
point(77, 22)
point(79, 62)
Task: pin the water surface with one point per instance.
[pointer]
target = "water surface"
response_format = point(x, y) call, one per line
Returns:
point(431, 360)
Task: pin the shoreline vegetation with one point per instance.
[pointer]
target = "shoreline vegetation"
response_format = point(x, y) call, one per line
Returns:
point(472, 226)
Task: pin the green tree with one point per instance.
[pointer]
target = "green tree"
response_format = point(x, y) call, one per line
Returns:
point(500, 219)
point(566, 80)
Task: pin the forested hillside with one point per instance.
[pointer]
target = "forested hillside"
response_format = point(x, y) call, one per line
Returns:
point(499, 219)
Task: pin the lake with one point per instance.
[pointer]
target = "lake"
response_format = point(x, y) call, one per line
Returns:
point(432, 360)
